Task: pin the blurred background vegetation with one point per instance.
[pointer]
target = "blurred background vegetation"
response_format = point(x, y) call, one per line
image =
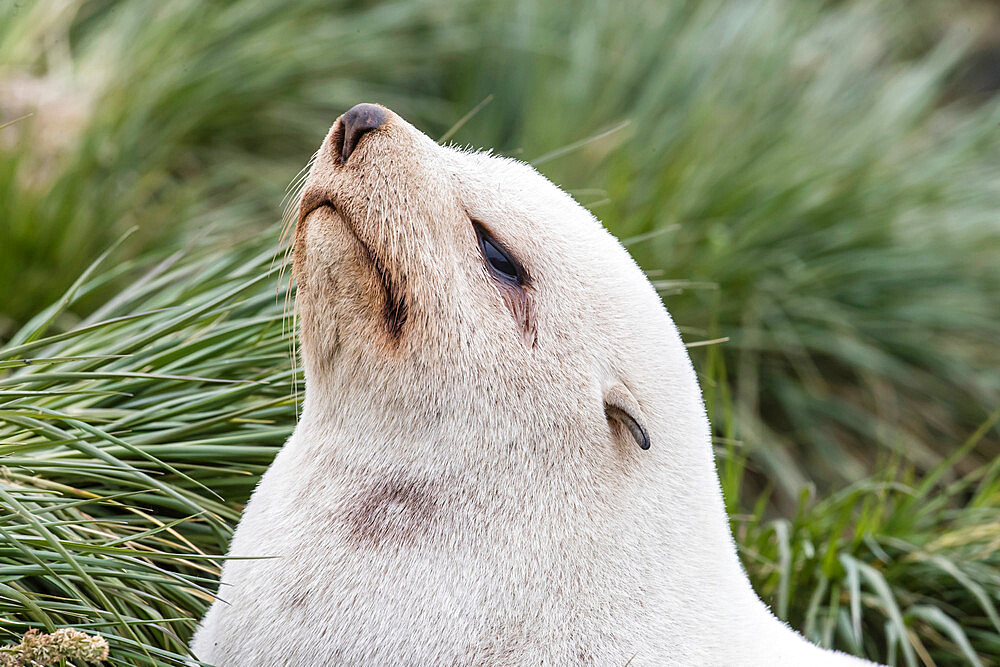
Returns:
point(816, 182)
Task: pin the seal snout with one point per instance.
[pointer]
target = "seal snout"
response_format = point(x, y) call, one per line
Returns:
point(354, 124)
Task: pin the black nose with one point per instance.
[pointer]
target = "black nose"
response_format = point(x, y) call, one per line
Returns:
point(359, 119)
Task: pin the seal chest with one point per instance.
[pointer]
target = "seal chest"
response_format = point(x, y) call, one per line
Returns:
point(503, 457)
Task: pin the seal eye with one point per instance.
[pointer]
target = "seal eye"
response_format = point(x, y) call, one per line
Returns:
point(498, 259)
point(501, 264)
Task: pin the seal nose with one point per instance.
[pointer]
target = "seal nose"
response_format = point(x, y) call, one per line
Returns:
point(358, 120)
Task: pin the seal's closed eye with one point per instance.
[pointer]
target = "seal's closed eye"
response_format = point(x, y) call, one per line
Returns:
point(502, 265)
point(511, 280)
point(499, 261)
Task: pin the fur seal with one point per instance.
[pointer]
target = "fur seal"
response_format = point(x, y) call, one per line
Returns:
point(503, 456)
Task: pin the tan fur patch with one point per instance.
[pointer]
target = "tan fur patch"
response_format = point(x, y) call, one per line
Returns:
point(392, 511)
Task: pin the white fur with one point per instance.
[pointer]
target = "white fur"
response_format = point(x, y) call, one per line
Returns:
point(458, 496)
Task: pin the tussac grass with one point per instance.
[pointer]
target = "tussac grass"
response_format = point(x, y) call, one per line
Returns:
point(803, 178)
point(802, 185)
point(127, 451)
point(158, 114)
point(129, 443)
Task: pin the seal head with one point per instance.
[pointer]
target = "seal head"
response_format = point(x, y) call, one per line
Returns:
point(503, 457)
point(440, 267)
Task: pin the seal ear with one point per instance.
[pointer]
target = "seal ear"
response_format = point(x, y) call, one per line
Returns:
point(620, 406)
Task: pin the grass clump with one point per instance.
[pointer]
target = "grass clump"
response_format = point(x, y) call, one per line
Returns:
point(160, 114)
point(128, 444)
point(805, 178)
point(894, 569)
point(800, 177)
point(900, 568)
